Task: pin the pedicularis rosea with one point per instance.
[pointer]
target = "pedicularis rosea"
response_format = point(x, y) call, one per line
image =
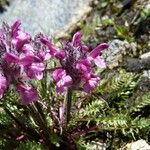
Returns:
point(76, 64)
point(23, 58)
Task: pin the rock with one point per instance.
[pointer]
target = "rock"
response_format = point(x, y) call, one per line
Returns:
point(139, 64)
point(146, 73)
point(95, 145)
point(145, 55)
point(144, 83)
point(116, 51)
point(48, 16)
point(138, 145)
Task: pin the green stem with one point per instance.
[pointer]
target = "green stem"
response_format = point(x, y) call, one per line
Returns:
point(39, 109)
point(68, 105)
point(42, 124)
point(29, 131)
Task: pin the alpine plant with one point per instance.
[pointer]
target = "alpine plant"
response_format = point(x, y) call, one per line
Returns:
point(21, 60)
point(77, 64)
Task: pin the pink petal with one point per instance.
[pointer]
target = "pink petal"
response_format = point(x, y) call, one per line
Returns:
point(47, 56)
point(76, 40)
point(44, 55)
point(91, 84)
point(68, 80)
point(35, 71)
point(3, 82)
point(37, 66)
point(38, 75)
point(84, 48)
point(27, 94)
point(21, 39)
point(63, 84)
point(49, 44)
point(27, 49)
point(16, 24)
point(46, 42)
point(100, 62)
point(11, 58)
point(26, 60)
point(65, 81)
point(83, 65)
point(22, 36)
point(60, 54)
point(3, 85)
point(86, 77)
point(15, 28)
point(97, 51)
point(58, 74)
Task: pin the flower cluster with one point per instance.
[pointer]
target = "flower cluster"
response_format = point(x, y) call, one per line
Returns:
point(77, 64)
point(21, 59)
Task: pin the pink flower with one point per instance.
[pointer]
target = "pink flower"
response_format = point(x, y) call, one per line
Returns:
point(56, 52)
point(3, 85)
point(91, 84)
point(77, 43)
point(76, 40)
point(11, 58)
point(63, 84)
point(20, 39)
point(83, 65)
point(77, 67)
point(27, 49)
point(63, 81)
point(27, 60)
point(94, 55)
point(15, 28)
point(35, 70)
point(58, 74)
point(98, 61)
point(21, 58)
point(27, 94)
point(44, 55)
point(98, 50)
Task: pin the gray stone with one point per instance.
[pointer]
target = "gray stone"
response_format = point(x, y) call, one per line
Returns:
point(96, 145)
point(146, 73)
point(145, 55)
point(138, 145)
point(139, 64)
point(116, 51)
point(47, 16)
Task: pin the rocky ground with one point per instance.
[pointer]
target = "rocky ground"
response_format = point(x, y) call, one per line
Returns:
point(127, 31)
point(48, 16)
point(126, 26)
